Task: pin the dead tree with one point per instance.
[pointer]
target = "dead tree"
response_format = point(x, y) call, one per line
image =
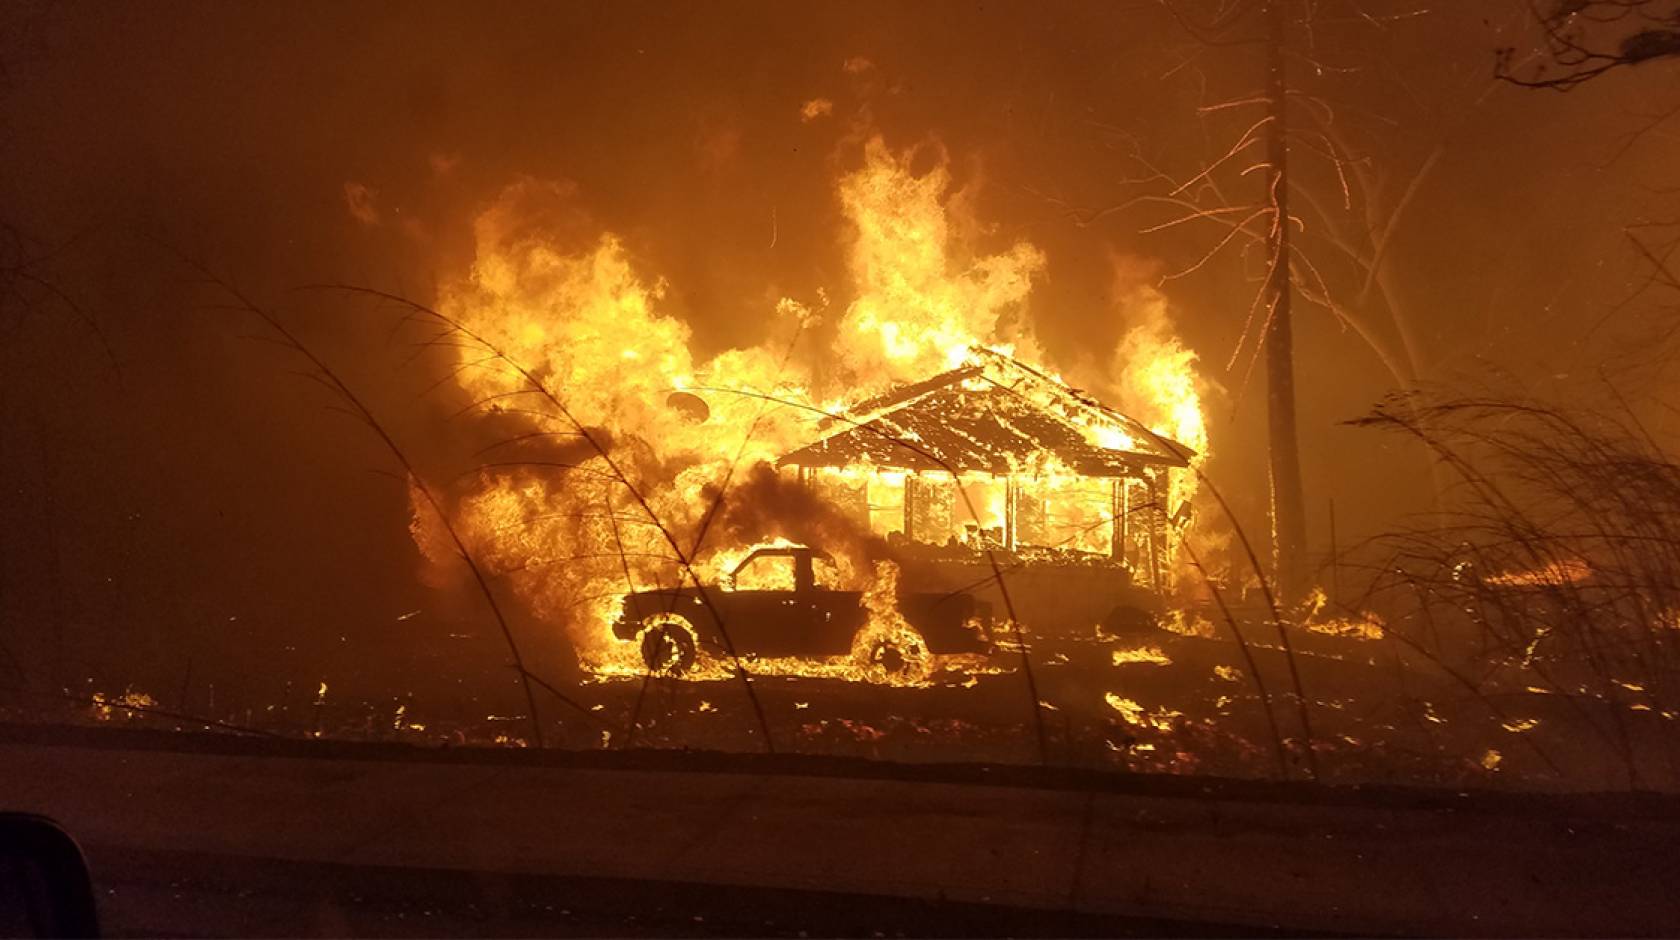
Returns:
point(1266, 225)
point(1342, 181)
point(1289, 514)
point(1263, 224)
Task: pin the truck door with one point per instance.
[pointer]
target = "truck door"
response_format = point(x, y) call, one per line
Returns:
point(769, 614)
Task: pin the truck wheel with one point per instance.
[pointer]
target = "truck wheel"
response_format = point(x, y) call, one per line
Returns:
point(668, 645)
point(890, 659)
point(898, 660)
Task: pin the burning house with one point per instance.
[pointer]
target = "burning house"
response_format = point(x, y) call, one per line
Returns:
point(997, 457)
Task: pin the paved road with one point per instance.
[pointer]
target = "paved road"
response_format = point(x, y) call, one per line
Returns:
point(305, 845)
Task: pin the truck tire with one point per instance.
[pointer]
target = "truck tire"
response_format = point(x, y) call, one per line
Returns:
point(895, 660)
point(669, 645)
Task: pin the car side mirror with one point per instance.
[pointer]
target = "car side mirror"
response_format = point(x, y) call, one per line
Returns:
point(45, 890)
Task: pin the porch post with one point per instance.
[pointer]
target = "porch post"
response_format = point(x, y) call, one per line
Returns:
point(1011, 493)
point(909, 507)
point(1117, 519)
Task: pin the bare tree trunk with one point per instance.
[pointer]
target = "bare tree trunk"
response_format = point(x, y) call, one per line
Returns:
point(1289, 526)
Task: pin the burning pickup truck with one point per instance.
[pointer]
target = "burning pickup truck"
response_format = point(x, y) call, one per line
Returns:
point(775, 605)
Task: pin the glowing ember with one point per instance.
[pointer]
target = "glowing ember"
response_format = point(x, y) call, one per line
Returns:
point(1151, 655)
point(1553, 574)
point(1360, 626)
point(129, 705)
point(1135, 714)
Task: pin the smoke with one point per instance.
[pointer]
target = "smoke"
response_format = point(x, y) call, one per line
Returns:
point(765, 505)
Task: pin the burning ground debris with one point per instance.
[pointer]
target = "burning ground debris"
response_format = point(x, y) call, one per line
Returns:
point(1165, 702)
point(131, 705)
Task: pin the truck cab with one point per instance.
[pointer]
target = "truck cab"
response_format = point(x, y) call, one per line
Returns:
point(785, 601)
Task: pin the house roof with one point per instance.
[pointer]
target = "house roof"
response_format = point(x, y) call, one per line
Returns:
point(993, 415)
